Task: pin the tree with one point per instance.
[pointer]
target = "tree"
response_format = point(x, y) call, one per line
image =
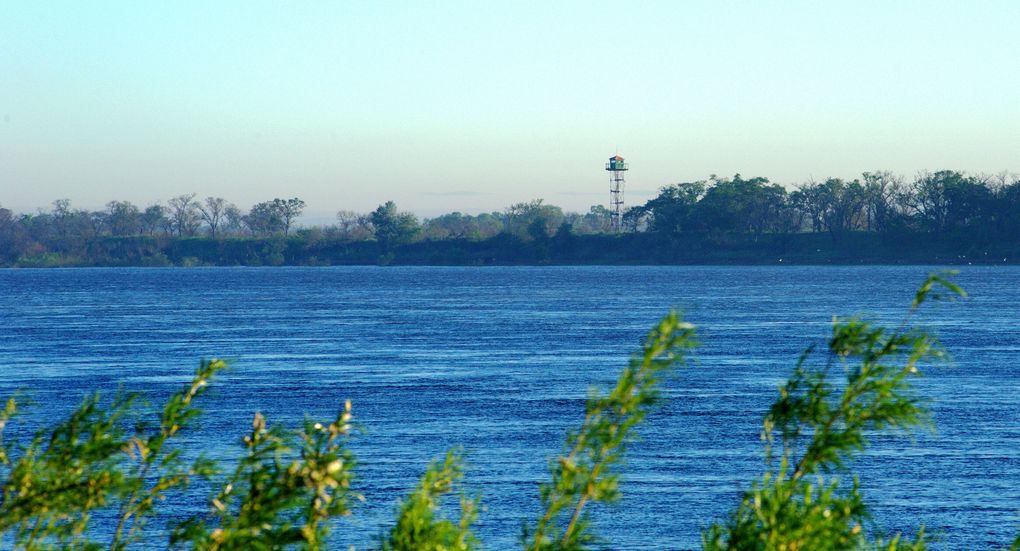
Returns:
point(808, 201)
point(98, 221)
point(839, 206)
point(635, 219)
point(453, 225)
point(353, 226)
point(671, 211)
point(233, 220)
point(456, 225)
point(948, 200)
point(262, 219)
point(154, 219)
point(184, 215)
point(532, 219)
point(970, 204)
point(844, 205)
point(213, 212)
point(123, 218)
point(393, 227)
point(740, 205)
point(62, 216)
point(289, 210)
point(64, 229)
point(929, 201)
point(273, 216)
point(598, 219)
point(9, 229)
point(1008, 217)
point(769, 210)
point(881, 191)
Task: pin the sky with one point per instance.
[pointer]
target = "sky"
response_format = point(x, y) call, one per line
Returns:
point(471, 106)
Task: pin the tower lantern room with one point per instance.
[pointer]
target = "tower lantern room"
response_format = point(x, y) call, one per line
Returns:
point(616, 168)
point(616, 163)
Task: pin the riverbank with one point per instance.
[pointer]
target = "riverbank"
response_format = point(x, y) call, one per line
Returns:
point(626, 249)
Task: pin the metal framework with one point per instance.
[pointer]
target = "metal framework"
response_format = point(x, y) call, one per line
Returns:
point(616, 168)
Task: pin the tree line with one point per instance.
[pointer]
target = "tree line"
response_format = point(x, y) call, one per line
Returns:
point(942, 205)
point(941, 202)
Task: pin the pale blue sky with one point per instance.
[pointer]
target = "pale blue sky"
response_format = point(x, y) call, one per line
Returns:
point(470, 106)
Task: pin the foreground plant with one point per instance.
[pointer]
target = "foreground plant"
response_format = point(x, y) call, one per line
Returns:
point(419, 526)
point(585, 473)
point(803, 500)
point(283, 491)
point(93, 463)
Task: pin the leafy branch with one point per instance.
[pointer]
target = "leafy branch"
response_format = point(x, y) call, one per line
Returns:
point(820, 427)
point(178, 413)
point(91, 462)
point(585, 473)
point(283, 492)
point(417, 526)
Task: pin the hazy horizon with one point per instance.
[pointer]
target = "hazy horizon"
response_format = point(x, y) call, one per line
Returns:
point(473, 107)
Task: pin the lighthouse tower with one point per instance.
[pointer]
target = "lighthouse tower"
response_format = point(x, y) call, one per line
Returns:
point(616, 168)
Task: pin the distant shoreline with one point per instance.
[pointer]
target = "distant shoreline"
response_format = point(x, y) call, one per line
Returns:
point(629, 249)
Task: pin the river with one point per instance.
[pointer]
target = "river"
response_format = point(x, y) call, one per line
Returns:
point(499, 359)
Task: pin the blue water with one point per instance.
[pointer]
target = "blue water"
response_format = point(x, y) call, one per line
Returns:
point(499, 359)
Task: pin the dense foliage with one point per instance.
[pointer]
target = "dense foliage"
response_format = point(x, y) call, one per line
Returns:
point(944, 216)
point(290, 487)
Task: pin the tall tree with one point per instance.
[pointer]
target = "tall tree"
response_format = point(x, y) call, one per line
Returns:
point(213, 210)
point(289, 210)
point(233, 220)
point(393, 227)
point(263, 218)
point(741, 205)
point(808, 201)
point(881, 189)
point(184, 214)
point(598, 219)
point(153, 219)
point(62, 216)
point(671, 211)
point(844, 205)
point(532, 219)
point(8, 241)
point(123, 218)
point(274, 216)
